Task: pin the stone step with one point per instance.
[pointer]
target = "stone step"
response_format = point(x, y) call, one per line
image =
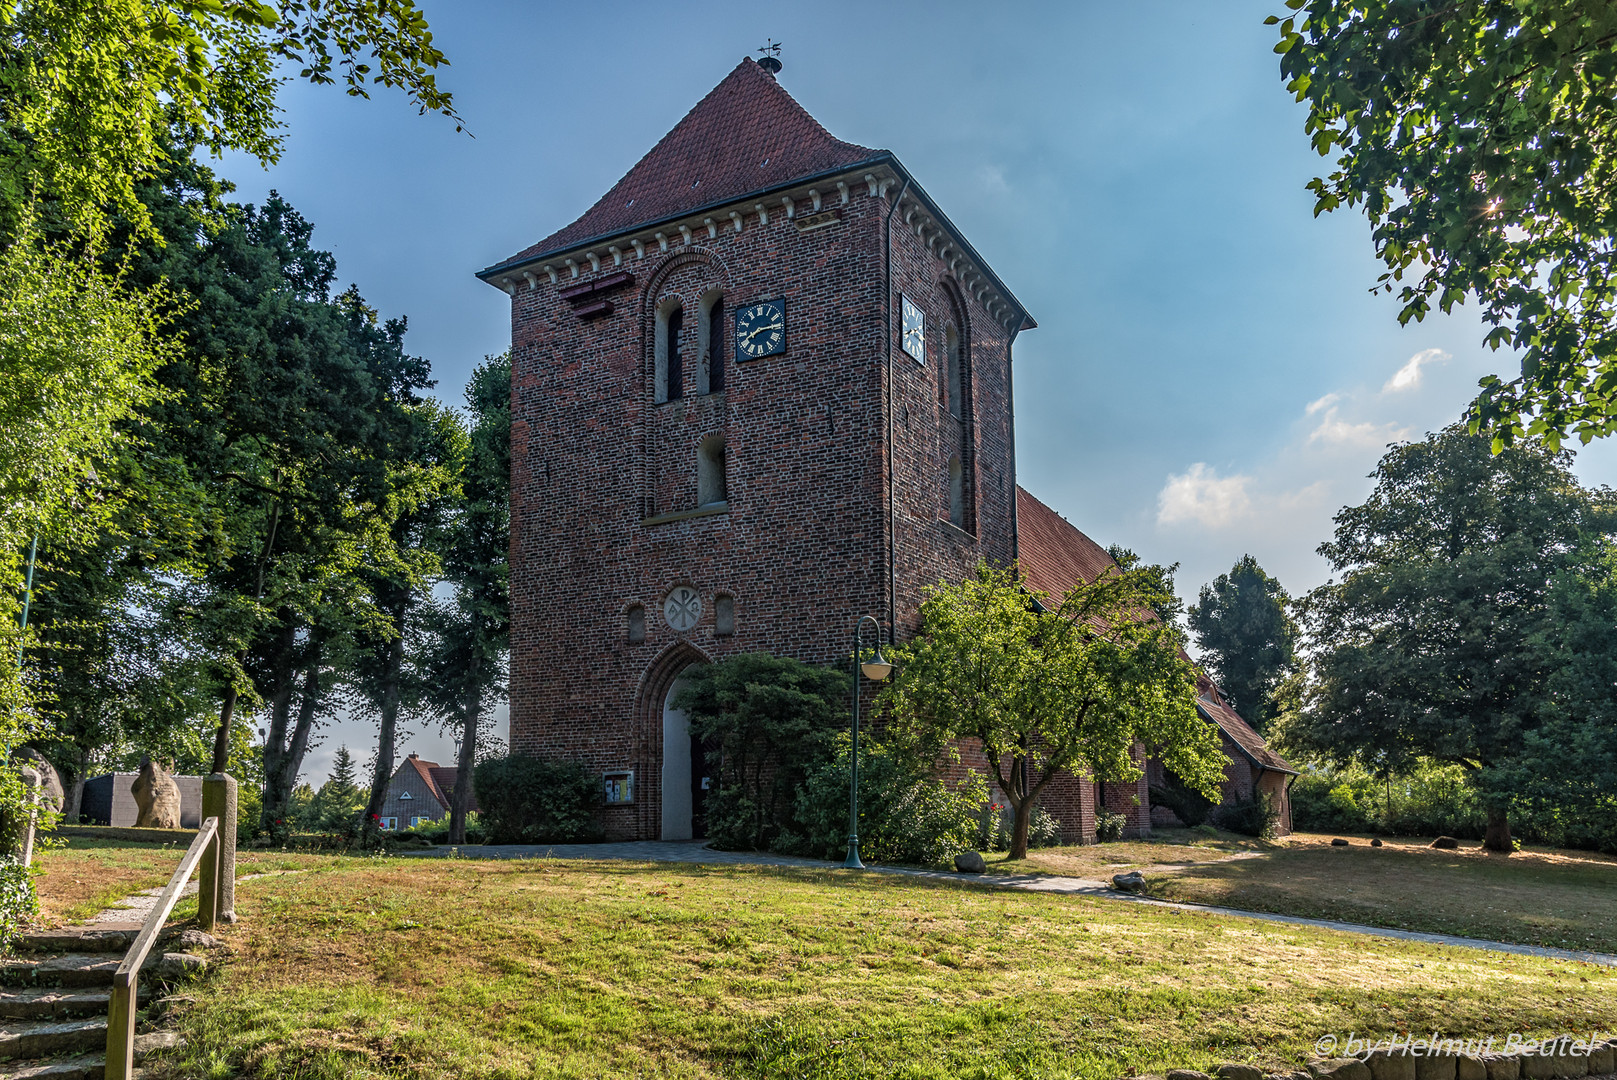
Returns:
point(93, 969)
point(76, 939)
point(85, 1066)
point(53, 1004)
point(62, 969)
point(42, 1038)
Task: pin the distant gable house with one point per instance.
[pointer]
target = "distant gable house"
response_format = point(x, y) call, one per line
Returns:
point(419, 792)
point(110, 800)
point(1054, 556)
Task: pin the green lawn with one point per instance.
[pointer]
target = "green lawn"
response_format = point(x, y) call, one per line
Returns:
point(1537, 897)
point(428, 968)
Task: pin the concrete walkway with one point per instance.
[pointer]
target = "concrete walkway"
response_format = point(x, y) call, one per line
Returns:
point(697, 851)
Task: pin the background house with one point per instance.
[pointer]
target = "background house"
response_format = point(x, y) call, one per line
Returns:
point(418, 792)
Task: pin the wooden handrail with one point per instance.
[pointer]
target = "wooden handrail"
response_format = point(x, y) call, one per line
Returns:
point(126, 981)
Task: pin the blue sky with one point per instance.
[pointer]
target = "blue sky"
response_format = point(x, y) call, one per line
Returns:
point(1210, 375)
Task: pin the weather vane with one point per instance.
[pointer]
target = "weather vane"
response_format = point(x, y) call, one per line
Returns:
point(771, 60)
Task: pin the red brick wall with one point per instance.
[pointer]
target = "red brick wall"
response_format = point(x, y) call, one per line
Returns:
point(803, 546)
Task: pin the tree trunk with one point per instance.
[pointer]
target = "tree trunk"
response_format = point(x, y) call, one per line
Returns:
point(1020, 829)
point(1497, 836)
point(283, 753)
point(73, 800)
point(461, 797)
point(370, 826)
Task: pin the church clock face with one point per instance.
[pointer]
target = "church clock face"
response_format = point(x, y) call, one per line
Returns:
point(914, 331)
point(761, 330)
point(682, 608)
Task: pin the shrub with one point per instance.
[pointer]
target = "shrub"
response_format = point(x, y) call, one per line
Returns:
point(1109, 826)
point(906, 814)
point(437, 832)
point(19, 904)
point(1431, 800)
point(996, 822)
point(769, 721)
point(1253, 816)
point(529, 800)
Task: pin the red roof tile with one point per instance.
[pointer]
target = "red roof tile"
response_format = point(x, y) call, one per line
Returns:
point(444, 778)
point(747, 135)
point(1054, 555)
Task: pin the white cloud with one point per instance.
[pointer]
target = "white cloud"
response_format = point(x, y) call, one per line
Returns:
point(1322, 403)
point(1335, 431)
point(1408, 376)
point(992, 178)
point(1201, 495)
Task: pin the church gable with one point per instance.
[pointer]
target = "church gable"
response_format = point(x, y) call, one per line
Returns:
point(747, 136)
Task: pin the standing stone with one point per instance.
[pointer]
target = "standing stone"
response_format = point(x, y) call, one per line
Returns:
point(51, 795)
point(157, 797)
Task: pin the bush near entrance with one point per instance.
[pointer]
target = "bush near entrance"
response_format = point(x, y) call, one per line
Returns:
point(529, 800)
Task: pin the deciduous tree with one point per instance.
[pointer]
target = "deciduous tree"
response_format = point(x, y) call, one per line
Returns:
point(1068, 685)
point(1432, 639)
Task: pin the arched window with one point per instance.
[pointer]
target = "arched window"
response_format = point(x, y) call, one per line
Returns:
point(637, 623)
point(952, 370)
point(710, 484)
point(957, 493)
point(724, 615)
point(710, 332)
point(670, 366)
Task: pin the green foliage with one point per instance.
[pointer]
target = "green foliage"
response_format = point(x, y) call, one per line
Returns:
point(1255, 815)
point(769, 720)
point(1429, 800)
point(528, 800)
point(1188, 804)
point(1439, 635)
point(437, 832)
point(1481, 141)
point(907, 814)
point(93, 90)
point(996, 827)
point(19, 903)
point(1109, 826)
point(1067, 687)
point(1248, 641)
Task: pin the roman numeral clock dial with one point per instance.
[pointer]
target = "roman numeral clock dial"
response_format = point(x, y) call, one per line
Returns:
point(761, 330)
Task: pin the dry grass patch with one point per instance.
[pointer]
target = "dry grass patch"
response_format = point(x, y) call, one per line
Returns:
point(1167, 849)
point(546, 968)
point(1534, 897)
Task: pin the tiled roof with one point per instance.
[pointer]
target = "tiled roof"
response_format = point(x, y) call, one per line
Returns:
point(425, 770)
point(747, 135)
point(444, 779)
point(1054, 556)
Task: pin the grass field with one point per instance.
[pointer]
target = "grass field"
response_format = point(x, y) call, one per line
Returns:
point(369, 968)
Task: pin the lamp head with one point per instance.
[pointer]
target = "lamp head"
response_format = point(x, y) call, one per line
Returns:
point(877, 667)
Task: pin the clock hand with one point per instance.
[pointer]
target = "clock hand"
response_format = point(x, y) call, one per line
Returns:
point(761, 329)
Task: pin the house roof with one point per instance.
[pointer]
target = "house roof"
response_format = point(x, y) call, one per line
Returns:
point(1054, 555)
point(747, 135)
point(440, 780)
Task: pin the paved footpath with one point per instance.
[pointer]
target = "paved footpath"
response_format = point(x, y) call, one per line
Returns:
point(697, 851)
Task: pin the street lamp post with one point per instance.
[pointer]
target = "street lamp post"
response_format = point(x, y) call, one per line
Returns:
point(876, 669)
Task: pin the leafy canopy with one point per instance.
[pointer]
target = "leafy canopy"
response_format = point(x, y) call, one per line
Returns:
point(1481, 140)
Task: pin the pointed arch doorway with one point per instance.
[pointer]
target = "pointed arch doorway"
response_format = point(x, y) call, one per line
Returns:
point(686, 779)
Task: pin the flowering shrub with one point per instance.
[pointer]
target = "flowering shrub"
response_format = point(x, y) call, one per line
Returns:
point(18, 902)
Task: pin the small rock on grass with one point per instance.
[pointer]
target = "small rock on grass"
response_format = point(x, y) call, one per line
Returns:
point(1446, 843)
point(1134, 881)
point(1234, 1070)
point(970, 862)
point(1187, 1074)
point(1375, 841)
point(1349, 1068)
point(191, 939)
point(1339, 842)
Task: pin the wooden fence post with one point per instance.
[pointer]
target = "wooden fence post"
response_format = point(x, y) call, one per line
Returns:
point(218, 878)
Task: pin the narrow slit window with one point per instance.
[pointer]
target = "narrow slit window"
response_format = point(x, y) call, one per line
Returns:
point(670, 376)
point(710, 376)
point(724, 615)
point(676, 365)
point(637, 623)
point(952, 363)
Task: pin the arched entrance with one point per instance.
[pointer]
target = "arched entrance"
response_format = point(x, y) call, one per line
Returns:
point(686, 779)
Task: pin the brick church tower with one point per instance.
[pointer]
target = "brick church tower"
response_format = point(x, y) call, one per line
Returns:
point(761, 388)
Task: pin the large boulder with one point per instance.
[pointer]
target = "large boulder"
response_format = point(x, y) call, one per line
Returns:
point(157, 797)
point(1134, 881)
point(51, 795)
point(1445, 843)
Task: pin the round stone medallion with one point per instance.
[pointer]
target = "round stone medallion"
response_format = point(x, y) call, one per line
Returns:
point(682, 609)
